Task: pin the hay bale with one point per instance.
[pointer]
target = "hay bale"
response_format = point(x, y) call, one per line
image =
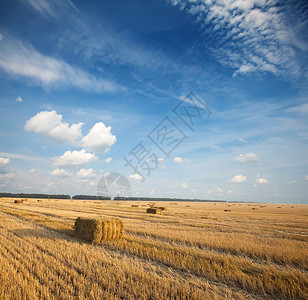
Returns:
point(18, 201)
point(99, 230)
point(187, 205)
point(254, 208)
point(227, 209)
point(162, 208)
point(39, 200)
point(135, 205)
point(154, 210)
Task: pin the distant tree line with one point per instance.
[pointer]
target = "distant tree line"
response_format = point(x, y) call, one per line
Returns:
point(89, 197)
point(164, 199)
point(93, 197)
point(43, 196)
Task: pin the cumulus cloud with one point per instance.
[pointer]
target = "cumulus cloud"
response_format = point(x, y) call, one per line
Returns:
point(85, 173)
point(23, 60)
point(260, 180)
point(184, 185)
point(3, 165)
point(238, 179)
point(50, 125)
point(246, 158)
point(60, 173)
point(136, 176)
point(306, 177)
point(99, 139)
point(4, 161)
point(160, 160)
point(108, 160)
point(19, 99)
point(178, 160)
point(74, 158)
point(217, 191)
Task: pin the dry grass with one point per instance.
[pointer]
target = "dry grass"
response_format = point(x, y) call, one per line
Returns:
point(200, 252)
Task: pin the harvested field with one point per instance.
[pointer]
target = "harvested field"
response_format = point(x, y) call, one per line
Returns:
point(196, 253)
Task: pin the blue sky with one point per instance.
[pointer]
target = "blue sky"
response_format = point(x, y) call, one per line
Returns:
point(82, 83)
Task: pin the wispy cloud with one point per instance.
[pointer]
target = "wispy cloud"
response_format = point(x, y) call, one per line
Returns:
point(51, 8)
point(253, 35)
point(21, 156)
point(19, 59)
point(302, 109)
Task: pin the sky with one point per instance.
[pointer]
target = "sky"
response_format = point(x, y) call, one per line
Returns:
point(200, 99)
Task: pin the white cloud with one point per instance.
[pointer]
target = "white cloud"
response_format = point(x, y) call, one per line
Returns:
point(229, 192)
point(244, 69)
point(178, 160)
point(32, 171)
point(184, 185)
point(136, 176)
point(160, 160)
point(108, 160)
point(74, 158)
point(260, 180)
point(254, 35)
point(60, 173)
point(99, 139)
point(3, 165)
point(303, 109)
point(217, 191)
point(4, 161)
point(21, 156)
point(50, 9)
point(238, 179)
point(7, 176)
point(50, 125)
point(85, 173)
point(23, 60)
point(249, 157)
point(19, 99)
point(255, 185)
point(306, 177)
point(242, 140)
